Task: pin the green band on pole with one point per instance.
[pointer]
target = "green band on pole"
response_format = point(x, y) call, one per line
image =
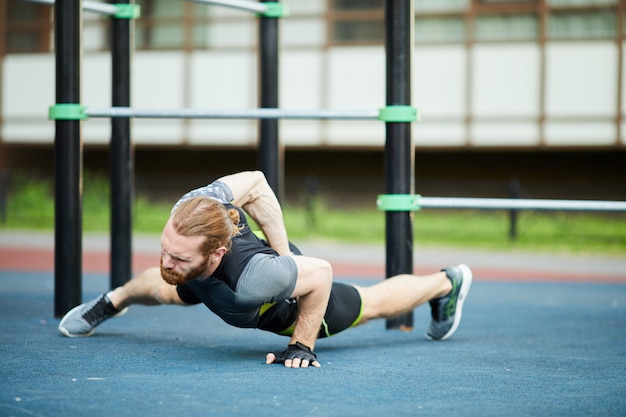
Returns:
point(398, 202)
point(398, 114)
point(67, 111)
point(127, 11)
point(275, 10)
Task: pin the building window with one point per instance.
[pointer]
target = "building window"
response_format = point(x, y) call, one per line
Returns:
point(570, 3)
point(441, 5)
point(166, 24)
point(440, 20)
point(28, 27)
point(506, 27)
point(357, 5)
point(370, 31)
point(439, 29)
point(582, 25)
point(507, 3)
point(353, 22)
point(356, 22)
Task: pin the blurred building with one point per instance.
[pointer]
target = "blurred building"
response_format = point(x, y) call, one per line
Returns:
point(524, 89)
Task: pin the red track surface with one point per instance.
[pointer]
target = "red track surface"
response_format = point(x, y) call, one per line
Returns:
point(42, 260)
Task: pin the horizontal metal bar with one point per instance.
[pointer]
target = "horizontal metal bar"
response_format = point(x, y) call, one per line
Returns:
point(520, 204)
point(231, 114)
point(236, 4)
point(91, 6)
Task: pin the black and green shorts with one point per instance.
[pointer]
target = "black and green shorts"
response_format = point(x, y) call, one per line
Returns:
point(343, 311)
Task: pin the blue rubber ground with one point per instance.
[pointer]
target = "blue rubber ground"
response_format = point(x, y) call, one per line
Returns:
point(523, 349)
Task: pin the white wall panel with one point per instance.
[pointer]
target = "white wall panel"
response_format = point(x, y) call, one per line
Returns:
point(581, 79)
point(95, 37)
point(300, 80)
point(222, 132)
point(439, 134)
point(96, 92)
point(623, 92)
point(505, 134)
point(218, 11)
point(356, 78)
point(356, 133)
point(232, 34)
point(157, 131)
point(28, 85)
point(302, 132)
point(157, 79)
point(505, 80)
point(96, 131)
point(305, 6)
point(223, 80)
point(28, 90)
point(28, 131)
point(580, 133)
point(157, 82)
point(580, 85)
point(96, 80)
point(438, 85)
point(303, 32)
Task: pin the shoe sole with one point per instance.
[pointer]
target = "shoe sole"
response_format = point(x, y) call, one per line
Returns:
point(465, 287)
point(69, 313)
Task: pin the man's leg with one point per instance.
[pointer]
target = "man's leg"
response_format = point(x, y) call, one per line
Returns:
point(147, 288)
point(445, 291)
point(400, 294)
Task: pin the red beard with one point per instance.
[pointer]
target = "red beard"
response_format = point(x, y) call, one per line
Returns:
point(177, 278)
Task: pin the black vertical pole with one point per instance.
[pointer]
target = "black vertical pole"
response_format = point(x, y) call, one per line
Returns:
point(271, 152)
point(121, 155)
point(398, 147)
point(68, 160)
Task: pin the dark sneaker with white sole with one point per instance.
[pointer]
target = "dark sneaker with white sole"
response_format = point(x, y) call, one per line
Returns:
point(82, 320)
point(446, 311)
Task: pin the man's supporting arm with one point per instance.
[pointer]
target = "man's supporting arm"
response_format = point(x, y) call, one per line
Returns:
point(313, 291)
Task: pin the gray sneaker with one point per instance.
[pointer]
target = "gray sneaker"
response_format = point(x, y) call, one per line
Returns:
point(82, 320)
point(446, 311)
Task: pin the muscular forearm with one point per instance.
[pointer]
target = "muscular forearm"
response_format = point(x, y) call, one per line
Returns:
point(313, 287)
point(252, 193)
point(311, 309)
point(313, 291)
point(266, 212)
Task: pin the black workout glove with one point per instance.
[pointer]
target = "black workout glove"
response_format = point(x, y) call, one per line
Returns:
point(297, 351)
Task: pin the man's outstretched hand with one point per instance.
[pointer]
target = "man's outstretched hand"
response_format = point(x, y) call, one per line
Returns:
point(296, 356)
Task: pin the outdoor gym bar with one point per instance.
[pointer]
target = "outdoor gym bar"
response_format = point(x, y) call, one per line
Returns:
point(396, 202)
point(92, 6)
point(520, 204)
point(269, 113)
point(236, 4)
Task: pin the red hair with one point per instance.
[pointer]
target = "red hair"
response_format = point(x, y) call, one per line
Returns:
point(204, 216)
